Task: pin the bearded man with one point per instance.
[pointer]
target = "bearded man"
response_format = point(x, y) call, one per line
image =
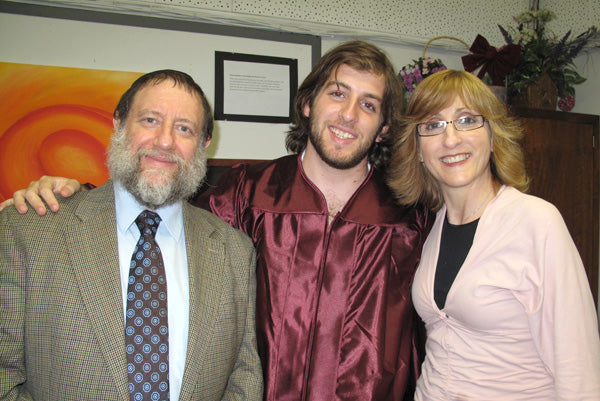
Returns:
point(335, 254)
point(129, 292)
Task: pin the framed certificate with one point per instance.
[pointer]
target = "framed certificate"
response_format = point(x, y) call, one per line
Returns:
point(254, 88)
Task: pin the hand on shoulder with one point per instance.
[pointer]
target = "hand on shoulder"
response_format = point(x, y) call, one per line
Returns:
point(41, 194)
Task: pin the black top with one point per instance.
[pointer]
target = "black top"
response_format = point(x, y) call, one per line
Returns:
point(455, 244)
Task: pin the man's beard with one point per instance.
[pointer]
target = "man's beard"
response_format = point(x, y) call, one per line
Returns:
point(124, 166)
point(316, 138)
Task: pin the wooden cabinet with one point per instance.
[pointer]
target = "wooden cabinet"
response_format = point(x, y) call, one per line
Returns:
point(561, 152)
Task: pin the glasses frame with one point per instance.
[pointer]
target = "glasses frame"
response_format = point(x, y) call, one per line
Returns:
point(453, 122)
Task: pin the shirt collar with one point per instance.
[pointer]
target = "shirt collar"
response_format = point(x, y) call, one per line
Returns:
point(128, 209)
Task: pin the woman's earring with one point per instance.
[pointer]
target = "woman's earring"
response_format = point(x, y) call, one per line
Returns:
point(421, 158)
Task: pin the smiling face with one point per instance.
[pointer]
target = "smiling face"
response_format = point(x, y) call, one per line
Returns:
point(158, 152)
point(345, 117)
point(164, 120)
point(458, 159)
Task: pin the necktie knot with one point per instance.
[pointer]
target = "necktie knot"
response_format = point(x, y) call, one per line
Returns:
point(147, 222)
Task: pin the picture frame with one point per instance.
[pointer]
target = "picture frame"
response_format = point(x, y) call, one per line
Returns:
point(254, 88)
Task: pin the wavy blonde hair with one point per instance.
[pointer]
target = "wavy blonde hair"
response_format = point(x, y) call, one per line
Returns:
point(409, 179)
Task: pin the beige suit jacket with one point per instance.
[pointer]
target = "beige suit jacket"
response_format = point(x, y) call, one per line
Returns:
point(61, 315)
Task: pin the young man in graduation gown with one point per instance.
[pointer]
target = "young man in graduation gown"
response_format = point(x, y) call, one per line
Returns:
point(335, 254)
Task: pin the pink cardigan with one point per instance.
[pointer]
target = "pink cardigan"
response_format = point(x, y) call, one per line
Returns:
point(519, 322)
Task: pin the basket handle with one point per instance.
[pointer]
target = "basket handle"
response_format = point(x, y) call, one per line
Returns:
point(443, 37)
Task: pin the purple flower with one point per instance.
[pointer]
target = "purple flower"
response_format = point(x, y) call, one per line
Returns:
point(413, 74)
point(408, 83)
point(418, 76)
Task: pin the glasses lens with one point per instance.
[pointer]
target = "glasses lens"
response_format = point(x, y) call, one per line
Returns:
point(431, 128)
point(467, 123)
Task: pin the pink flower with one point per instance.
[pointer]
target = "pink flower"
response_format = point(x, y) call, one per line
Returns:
point(418, 76)
point(413, 74)
point(566, 103)
point(408, 82)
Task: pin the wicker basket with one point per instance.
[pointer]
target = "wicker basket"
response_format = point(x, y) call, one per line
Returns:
point(443, 37)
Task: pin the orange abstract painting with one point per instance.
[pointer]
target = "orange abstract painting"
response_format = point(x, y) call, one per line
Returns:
point(56, 121)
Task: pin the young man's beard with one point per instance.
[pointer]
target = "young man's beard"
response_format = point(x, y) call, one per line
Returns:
point(124, 166)
point(316, 138)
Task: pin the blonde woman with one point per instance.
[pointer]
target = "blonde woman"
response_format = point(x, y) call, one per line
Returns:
point(500, 286)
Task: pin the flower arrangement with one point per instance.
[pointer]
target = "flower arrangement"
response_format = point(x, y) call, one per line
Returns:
point(421, 68)
point(544, 53)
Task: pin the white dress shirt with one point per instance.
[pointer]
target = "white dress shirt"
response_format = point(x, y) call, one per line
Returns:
point(171, 240)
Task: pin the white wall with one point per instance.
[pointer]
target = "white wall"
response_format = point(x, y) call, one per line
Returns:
point(400, 26)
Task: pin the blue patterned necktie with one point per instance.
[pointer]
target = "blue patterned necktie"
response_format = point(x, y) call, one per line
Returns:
point(146, 326)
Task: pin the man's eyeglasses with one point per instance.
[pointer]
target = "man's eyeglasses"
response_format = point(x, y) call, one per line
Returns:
point(466, 123)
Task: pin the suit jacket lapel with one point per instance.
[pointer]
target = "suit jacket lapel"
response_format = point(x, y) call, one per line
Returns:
point(205, 256)
point(93, 245)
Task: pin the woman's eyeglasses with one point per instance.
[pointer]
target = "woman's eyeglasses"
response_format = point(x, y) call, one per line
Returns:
point(466, 123)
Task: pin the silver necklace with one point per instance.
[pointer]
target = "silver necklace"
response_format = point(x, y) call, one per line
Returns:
point(466, 219)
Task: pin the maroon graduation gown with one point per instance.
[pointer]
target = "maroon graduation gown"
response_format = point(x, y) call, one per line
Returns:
point(334, 314)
